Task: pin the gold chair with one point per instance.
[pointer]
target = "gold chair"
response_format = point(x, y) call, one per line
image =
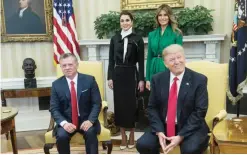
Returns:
point(217, 75)
point(95, 69)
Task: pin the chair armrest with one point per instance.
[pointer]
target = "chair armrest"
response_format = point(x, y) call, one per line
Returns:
point(104, 110)
point(220, 116)
point(104, 105)
point(51, 125)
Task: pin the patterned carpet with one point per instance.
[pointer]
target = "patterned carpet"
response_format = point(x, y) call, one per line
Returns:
point(75, 150)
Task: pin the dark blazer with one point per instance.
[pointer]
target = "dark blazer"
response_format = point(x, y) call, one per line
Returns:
point(30, 23)
point(135, 54)
point(88, 96)
point(192, 102)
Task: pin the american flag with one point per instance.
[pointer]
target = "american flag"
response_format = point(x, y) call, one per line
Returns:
point(65, 36)
point(235, 18)
point(238, 54)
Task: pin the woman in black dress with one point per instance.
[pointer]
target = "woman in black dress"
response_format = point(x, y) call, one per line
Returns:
point(125, 77)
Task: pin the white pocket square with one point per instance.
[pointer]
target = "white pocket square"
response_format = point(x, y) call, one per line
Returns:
point(84, 90)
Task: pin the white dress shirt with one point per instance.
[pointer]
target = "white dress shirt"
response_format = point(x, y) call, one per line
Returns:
point(180, 77)
point(21, 12)
point(124, 34)
point(75, 80)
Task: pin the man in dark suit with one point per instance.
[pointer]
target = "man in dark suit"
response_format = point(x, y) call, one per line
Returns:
point(75, 106)
point(177, 108)
point(25, 21)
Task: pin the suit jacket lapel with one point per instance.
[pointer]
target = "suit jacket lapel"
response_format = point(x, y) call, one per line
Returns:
point(80, 86)
point(165, 92)
point(65, 87)
point(184, 88)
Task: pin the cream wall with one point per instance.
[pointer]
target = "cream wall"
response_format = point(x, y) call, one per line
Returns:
point(13, 54)
point(86, 11)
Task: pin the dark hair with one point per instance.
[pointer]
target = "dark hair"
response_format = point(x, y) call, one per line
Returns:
point(126, 13)
point(66, 55)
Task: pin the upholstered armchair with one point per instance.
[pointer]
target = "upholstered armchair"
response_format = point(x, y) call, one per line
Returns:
point(217, 75)
point(95, 69)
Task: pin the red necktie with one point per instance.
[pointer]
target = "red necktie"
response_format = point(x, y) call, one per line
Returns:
point(74, 104)
point(172, 108)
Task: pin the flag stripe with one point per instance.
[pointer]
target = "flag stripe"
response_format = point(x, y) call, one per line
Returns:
point(65, 35)
point(55, 58)
point(58, 50)
point(59, 31)
point(63, 29)
point(60, 41)
point(71, 30)
point(73, 27)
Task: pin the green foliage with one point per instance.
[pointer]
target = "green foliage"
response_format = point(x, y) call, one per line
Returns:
point(191, 21)
point(107, 24)
point(195, 21)
point(144, 22)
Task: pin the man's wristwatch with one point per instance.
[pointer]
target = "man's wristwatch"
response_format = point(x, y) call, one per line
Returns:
point(91, 121)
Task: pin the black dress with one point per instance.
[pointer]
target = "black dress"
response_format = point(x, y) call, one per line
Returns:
point(125, 76)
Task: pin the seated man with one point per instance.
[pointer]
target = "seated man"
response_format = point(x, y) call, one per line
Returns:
point(75, 106)
point(177, 108)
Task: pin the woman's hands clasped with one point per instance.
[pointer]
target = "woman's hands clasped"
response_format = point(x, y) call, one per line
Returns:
point(148, 85)
point(141, 86)
point(110, 84)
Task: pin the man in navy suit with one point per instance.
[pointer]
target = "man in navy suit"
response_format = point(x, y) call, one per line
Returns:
point(177, 108)
point(75, 106)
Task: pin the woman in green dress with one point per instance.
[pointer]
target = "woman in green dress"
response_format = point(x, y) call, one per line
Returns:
point(166, 34)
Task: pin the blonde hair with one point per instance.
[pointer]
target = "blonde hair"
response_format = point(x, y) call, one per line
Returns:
point(173, 48)
point(172, 20)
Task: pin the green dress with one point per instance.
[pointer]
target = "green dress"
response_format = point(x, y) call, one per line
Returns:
point(156, 44)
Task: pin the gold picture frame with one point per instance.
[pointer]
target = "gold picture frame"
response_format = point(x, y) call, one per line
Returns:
point(33, 23)
point(149, 4)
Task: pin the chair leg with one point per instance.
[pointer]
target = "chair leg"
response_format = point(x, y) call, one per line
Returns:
point(213, 145)
point(211, 148)
point(107, 145)
point(47, 148)
point(104, 145)
point(7, 135)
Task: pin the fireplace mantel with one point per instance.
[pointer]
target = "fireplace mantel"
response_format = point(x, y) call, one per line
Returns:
point(191, 38)
point(197, 47)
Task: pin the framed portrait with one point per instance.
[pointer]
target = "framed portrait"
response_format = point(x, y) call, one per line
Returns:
point(26, 20)
point(149, 4)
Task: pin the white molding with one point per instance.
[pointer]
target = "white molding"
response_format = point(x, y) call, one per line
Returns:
point(191, 38)
point(9, 83)
point(212, 37)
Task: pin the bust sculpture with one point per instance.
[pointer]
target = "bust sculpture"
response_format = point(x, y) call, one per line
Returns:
point(29, 67)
